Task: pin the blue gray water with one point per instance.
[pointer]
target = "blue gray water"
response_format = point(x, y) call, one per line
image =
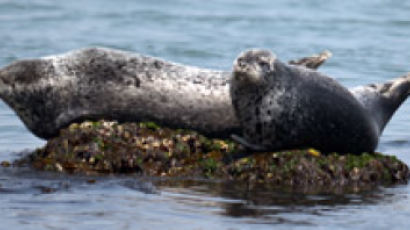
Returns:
point(369, 40)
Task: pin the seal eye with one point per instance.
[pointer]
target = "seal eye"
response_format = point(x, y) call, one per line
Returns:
point(265, 66)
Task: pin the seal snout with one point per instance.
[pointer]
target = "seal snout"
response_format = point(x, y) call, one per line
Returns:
point(241, 66)
point(258, 59)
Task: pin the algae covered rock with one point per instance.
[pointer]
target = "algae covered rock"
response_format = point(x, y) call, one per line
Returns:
point(150, 150)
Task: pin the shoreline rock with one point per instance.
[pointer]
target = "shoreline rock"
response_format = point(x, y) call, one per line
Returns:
point(146, 149)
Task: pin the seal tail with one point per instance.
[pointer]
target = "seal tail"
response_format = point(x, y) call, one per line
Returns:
point(383, 100)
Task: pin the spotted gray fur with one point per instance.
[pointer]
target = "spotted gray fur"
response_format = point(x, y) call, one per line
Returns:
point(52, 92)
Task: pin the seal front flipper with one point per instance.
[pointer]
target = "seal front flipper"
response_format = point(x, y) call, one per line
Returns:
point(383, 100)
point(247, 144)
point(312, 62)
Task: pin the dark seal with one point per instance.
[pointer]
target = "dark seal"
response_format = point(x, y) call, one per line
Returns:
point(280, 106)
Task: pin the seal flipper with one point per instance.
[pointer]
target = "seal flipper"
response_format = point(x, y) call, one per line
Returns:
point(248, 145)
point(382, 100)
point(313, 62)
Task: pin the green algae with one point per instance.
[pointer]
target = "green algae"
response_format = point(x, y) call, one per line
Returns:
point(150, 150)
point(209, 166)
point(150, 125)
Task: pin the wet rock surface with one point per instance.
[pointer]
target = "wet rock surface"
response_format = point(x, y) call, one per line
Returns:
point(146, 149)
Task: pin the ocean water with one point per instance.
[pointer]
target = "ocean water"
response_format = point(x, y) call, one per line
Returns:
point(370, 43)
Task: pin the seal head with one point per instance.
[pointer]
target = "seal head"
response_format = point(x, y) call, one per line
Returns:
point(252, 66)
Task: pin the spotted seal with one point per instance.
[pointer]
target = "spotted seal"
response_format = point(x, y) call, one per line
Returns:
point(280, 106)
point(99, 83)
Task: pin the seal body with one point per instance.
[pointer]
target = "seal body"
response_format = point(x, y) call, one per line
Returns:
point(282, 107)
point(98, 83)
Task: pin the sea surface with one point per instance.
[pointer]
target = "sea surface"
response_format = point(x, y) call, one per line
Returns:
point(370, 42)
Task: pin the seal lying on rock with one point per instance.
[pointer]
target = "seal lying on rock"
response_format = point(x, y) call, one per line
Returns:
point(52, 92)
point(280, 106)
point(98, 83)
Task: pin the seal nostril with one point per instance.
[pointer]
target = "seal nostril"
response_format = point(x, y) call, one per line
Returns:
point(265, 66)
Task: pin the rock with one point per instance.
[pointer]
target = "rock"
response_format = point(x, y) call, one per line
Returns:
point(149, 150)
